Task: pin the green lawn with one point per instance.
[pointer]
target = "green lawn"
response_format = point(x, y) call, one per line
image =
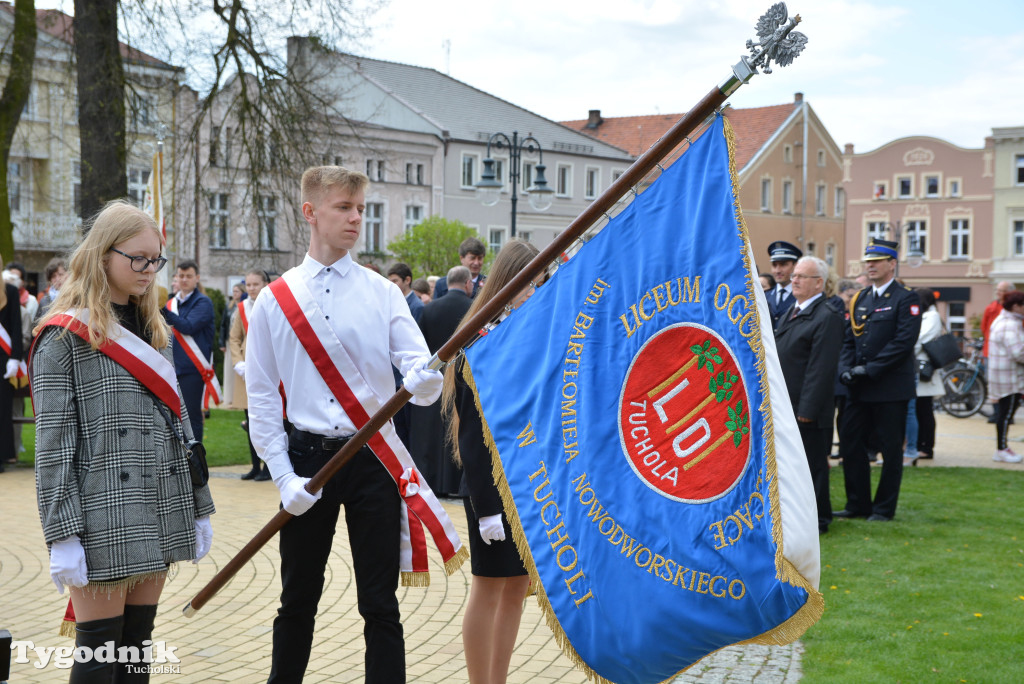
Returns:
point(226, 443)
point(937, 595)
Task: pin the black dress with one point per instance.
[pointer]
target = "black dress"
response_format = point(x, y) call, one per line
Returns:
point(499, 558)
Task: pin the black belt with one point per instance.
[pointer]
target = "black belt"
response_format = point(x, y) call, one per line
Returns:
point(301, 438)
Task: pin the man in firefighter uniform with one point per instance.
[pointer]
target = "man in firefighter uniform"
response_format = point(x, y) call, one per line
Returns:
point(877, 365)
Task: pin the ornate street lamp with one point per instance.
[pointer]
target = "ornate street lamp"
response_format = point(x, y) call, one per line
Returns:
point(915, 257)
point(490, 187)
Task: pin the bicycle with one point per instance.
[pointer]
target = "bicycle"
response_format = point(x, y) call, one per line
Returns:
point(964, 382)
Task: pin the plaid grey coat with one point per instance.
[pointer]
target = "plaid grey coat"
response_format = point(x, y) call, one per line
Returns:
point(108, 467)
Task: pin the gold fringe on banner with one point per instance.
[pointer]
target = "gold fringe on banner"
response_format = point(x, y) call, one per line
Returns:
point(415, 579)
point(785, 571)
point(456, 561)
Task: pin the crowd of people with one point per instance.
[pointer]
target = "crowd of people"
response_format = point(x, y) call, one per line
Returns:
point(122, 374)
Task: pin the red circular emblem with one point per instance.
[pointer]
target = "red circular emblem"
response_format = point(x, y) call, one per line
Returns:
point(684, 414)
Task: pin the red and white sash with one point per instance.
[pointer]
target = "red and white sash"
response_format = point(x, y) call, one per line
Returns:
point(243, 313)
point(338, 371)
point(5, 340)
point(211, 391)
point(132, 353)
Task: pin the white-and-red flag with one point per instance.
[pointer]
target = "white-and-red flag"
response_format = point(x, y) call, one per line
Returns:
point(154, 203)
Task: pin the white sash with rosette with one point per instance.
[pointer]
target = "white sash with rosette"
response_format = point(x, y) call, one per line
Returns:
point(132, 353)
point(211, 390)
point(338, 371)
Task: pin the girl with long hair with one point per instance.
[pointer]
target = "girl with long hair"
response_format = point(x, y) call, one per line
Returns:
point(116, 500)
point(500, 582)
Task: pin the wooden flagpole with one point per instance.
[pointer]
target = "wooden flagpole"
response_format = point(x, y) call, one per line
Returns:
point(778, 42)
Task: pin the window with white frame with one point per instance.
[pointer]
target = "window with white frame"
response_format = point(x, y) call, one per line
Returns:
point(840, 205)
point(877, 230)
point(468, 177)
point(787, 197)
point(496, 238)
point(228, 144)
point(526, 175)
point(616, 173)
point(881, 190)
point(564, 180)
point(141, 110)
point(821, 157)
point(766, 194)
point(373, 226)
point(787, 154)
point(219, 220)
point(266, 215)
point(1019, 169)
point(1018, 238)
point(917, 236)
point(812, 249)
point(931, 186)
point(214, 145)
point(830, 254)
point(14, 186)
point(29, 110)
point(414, 174)
point(375, 169)
point(413, 216)
point(499, 172)
point(138, 181)
point(959, 238)
point(955, 186)
point(819, 199)
point(593, 183)
point(905, 187)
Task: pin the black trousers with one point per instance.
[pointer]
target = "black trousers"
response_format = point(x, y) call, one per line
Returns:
point(1005, 409)
point(818, 445)
point(192, 393)
point(373, 517)
point(885, 422)
point(925, 425)
point(6, 421)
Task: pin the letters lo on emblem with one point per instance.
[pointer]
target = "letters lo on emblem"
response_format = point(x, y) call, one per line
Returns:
point(684, 415)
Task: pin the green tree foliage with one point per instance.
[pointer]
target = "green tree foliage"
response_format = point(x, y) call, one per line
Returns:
point(432, 247)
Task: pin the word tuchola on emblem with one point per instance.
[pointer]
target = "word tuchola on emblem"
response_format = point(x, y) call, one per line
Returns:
point(684, 415)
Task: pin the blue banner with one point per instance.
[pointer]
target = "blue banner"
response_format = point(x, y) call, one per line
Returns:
point(628, 406)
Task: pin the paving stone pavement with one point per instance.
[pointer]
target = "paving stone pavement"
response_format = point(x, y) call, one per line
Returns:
point(229, 639)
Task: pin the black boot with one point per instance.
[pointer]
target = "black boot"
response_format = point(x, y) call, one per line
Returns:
point(96, 634)
point(138, 627)
point(264, 474)
point(255, 468)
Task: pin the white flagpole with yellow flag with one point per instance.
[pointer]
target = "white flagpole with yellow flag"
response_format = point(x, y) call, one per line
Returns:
point(154, 202)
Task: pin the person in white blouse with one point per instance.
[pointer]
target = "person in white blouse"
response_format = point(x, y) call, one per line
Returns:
point(369, 316)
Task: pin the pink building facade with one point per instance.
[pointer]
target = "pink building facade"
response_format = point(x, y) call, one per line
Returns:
point(937, 199)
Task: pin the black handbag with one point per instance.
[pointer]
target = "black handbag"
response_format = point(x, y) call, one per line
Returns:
point(925, 370)
point(943, 350)
point(195, 452)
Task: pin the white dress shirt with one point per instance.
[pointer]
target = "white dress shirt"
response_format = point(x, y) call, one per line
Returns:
point(782, 291)
point(371, 318)
point(880, 290)
point(807, 303)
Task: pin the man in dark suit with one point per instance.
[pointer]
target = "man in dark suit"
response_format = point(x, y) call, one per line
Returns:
point(471, 255)
point(809, 338)
point(429, 450)
point(194, 318)
point(877, 365)
point(783, 256)
point(401, 275)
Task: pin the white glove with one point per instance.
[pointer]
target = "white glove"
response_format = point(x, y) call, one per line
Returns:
point(12, 369)
point(424, 385)
point(204, 537)
point(67, 563)
point(240, 369)
point(491, 529)
point(294, 496)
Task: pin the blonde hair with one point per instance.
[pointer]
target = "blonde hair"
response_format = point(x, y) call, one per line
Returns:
point(512, 259)
point(86, 286)
point(317, 181)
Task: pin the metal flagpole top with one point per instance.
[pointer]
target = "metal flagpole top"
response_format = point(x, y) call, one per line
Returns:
point(778, 41)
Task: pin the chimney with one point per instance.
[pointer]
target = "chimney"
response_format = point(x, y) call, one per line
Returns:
point(798, 98)
point(594, 119)
point(848, 149)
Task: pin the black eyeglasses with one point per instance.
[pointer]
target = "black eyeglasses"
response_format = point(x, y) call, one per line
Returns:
point(141, 263)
